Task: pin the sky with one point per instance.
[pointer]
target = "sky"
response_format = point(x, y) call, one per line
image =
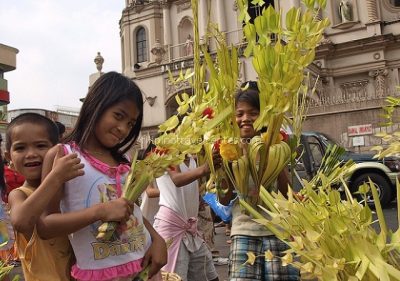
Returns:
point(57, 42)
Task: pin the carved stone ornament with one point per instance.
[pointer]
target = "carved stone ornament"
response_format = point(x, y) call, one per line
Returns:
point(372, 10)
point(183, 5)
point(158, 51)
point(174, 88)
point(325, 40)
point(99, 60)
point(346, 11)
point(165, 4)
point(151, 100)
point(376, 56)
point(380, 81)
point(346, 16)
point(354, 91)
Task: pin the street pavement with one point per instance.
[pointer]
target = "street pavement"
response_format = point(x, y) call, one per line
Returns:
point(223, 247)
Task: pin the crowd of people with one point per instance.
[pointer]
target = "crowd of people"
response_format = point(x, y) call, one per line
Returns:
point(60, 189)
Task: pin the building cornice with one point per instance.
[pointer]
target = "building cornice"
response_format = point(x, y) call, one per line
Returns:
point(357, 46)
point(149, 8)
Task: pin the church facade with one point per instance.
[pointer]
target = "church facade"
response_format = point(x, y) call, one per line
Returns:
point(357, 62)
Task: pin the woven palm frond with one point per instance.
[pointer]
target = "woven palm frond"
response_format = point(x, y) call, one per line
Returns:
point(170, 276)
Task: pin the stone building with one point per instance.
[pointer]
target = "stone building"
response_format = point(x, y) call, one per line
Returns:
point(8, 62)
point(67, 116)
point(357, 62)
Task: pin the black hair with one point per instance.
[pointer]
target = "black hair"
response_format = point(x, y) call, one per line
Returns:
point(248, 93)
point(61, 128)
point(32, 118)
point(108, 90)
point(143, 152)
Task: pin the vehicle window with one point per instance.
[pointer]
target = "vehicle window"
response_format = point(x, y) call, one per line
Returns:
point(316, 150)
point(299, 159)
point(329, 141)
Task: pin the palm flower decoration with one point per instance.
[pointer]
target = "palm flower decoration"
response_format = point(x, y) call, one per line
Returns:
point(140, 175)
point(332, 238)
point(279, 64)
point(222, 84)
point(5, 270)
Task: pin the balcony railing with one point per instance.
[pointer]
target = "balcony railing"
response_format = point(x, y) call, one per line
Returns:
point(184, 51)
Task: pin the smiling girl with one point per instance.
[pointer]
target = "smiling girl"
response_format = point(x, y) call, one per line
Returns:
point(108, 125)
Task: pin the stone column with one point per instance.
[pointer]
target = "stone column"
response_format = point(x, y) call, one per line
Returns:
point(202, 18)
point(380, 81)
point(166, 23)
point(372, 10)
point(221, 15)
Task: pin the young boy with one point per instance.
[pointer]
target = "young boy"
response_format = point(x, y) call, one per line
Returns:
point(28, 138)
point(248, 235)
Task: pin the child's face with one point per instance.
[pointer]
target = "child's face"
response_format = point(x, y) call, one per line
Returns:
point(29, 145)
point(246, 114)
point(114, 125)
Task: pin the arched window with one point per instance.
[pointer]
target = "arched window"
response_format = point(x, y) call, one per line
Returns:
point(141, 45)
point(255, 10)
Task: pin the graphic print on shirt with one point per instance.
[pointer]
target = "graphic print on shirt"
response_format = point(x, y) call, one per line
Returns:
point(128, 237)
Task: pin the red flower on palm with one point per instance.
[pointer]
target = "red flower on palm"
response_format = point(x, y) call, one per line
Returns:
point(208, 112)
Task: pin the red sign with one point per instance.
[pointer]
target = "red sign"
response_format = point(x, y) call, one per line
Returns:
point(4, 97)
point(359, 130)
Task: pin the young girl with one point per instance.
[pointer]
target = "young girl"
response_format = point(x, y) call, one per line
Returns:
point(247, 235)
point(107, 127)
point(29, 138)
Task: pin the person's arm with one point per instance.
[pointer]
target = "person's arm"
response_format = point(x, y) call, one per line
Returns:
point(52, 223)
point(152, 191)
point(57, 224)
point(25, 211)
point(157, 254)
point(183, 178)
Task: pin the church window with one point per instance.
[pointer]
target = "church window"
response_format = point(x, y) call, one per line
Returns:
point(141, 45)
point(255, 10)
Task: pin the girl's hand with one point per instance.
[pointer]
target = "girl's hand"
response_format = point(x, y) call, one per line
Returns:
point(116, 210)
point(66, 167)
point(156, 255)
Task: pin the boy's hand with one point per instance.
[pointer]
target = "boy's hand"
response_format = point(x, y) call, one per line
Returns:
point(116, 210)
point(67, 167)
